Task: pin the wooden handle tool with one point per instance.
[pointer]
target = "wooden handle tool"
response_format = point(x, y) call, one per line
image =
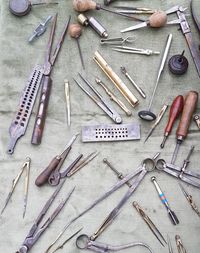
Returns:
point(175, 110)
point(183, 127)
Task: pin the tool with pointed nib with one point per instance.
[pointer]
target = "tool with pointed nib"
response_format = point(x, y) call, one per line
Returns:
point(190, 200)
point(26, 166)
point(86, 5)
point(124, 71)
point(158, 119)
point(75, 32)
point(113, 97)
point(175, 110)
point(150, 223)
point(148, 114)
point(171, 213)
point(169, 245)
point(186, 117)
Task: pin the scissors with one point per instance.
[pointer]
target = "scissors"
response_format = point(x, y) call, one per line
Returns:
point(179, 172)
point(84, 242)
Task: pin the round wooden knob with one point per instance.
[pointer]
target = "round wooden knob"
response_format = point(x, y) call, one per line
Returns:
point(158, 19)
point(75, 30)
point(84, 5)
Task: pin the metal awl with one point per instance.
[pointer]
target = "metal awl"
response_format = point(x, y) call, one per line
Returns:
point(124, 71)
point(67, 98)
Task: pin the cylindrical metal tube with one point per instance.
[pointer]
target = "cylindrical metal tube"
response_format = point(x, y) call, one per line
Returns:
point(115, 79)
point(94, 24)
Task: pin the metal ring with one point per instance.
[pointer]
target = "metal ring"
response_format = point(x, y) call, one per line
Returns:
point(160, 164)
point(82, 241)
point(149, 164)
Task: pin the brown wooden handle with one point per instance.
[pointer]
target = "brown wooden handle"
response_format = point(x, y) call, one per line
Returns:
point(42, 110)
point(175, 111)
point(84, 5)
point(188, 110)
point(44, 176)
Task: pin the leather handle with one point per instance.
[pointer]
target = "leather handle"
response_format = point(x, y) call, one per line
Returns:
point(42, 110)
point(188, 110)
point(44, 176)
point(19, 7)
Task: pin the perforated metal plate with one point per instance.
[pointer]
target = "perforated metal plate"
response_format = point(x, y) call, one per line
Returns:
point(104, 132)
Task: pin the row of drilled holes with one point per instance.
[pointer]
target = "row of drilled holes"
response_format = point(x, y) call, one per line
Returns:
point(25, 99)
point(110, 136)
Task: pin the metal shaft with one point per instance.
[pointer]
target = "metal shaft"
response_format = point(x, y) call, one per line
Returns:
point(164, 58)
point(80, 53)
point(67, 97)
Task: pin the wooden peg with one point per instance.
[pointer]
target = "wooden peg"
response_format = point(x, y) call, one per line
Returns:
point(158, 19)
point(84, 5)
point(75, 30)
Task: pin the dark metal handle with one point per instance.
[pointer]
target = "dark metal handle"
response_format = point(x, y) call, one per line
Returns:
point(42, 110)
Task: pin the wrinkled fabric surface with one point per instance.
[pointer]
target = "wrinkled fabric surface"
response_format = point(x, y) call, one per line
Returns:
point(18, 57)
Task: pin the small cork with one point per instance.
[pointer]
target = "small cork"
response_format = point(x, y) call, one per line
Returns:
point(84, 5)
point(75, 30)
point(158, 19)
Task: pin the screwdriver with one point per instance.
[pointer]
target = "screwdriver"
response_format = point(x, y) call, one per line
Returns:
point(75, 31)
point(182, 130)
point(171, 213)
point(175, 110)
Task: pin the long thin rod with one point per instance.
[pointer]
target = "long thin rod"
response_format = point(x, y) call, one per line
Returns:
point(164, 58)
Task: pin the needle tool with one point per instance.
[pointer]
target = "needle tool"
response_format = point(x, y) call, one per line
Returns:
point(25, 167)
point(148, 114)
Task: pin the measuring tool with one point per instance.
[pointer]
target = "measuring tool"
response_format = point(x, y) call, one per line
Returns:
point(124, 71)
point(184, 124)
point(158, 119)
point(150, 223)
point(171, 213)
point(179, 244)
point(36, 231)
point(113, 97)
point(101, 102)
point(55, 163)
point(180, 172)
point(148, 114)
point(190, 200)
point(146, 166)
point(120, 85)
point(75, 32)
point(41, 28)
point(25, 167)
point(175, 110)
point(132, 50)
point(67, 98)
point(117, 41)
point(157, 19)
point(86, 5)
point(106, 132)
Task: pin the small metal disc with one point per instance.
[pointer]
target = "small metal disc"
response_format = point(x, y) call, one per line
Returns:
point(20, 7)
point(178, 64)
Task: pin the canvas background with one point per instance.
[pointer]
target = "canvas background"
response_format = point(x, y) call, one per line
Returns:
point(17, 60)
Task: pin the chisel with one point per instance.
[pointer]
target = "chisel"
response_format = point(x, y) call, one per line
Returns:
point(182, 130)
point(175, 110)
